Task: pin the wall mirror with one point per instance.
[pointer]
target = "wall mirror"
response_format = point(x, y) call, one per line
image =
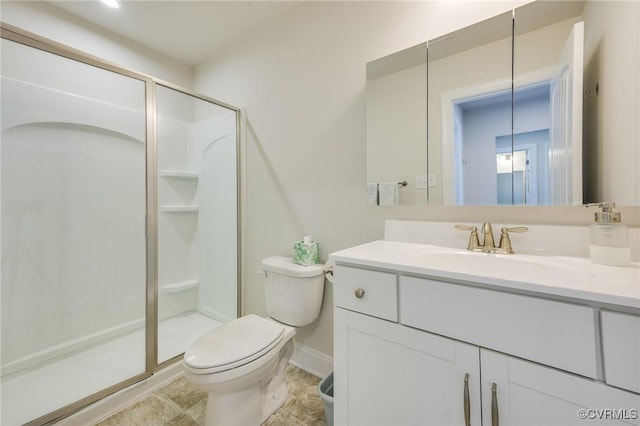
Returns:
point(497, 113)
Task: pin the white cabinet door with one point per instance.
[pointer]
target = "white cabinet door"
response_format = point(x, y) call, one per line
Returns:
point(389, 374)
point(621, 347)
point(531, 394)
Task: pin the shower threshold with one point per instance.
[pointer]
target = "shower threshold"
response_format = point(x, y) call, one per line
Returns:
point(44, 389)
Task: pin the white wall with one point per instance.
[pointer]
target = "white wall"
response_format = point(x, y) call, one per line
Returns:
point(47, 21)
point(612, 60)
point(302, 82)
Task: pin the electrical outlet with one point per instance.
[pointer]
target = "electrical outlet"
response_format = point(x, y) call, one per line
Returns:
point(422, 182)
point(432, 180)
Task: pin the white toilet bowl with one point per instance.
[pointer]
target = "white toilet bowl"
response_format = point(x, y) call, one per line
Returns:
point(242, 363)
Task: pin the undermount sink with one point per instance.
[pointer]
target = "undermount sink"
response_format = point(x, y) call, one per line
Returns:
point(510, 266)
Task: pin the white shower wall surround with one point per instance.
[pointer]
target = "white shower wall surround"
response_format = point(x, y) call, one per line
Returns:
point(78, 227)
point(49, 303)
point(196, 158)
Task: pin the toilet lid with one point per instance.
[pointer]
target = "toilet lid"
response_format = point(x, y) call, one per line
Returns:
point(234, 343)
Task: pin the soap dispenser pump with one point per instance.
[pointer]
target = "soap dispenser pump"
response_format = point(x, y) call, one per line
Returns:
point(609, 237)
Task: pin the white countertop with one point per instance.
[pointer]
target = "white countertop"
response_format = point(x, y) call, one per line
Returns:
point(571, 277)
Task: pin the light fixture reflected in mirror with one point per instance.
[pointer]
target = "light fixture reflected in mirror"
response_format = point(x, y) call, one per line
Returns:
point(113, 4)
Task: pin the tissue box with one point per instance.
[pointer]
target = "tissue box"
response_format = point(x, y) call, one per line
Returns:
point(306, 253)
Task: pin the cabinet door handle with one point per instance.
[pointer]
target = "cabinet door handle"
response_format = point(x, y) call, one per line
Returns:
point(359, 293)
point(467, 403)
point(495, 421)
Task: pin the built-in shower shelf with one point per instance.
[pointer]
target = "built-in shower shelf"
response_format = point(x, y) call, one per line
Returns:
point(178, 174)
point(179, 209)
point(179, 286)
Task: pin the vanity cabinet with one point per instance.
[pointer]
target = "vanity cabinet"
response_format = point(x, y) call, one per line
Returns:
point(458, 354)
point(528, 393)
point(621, 344)
point(389, 374)
point(558, 334)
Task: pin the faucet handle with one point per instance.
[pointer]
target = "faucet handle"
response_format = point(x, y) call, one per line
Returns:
point(505, 241)
point(515, 229)
point(474, 242)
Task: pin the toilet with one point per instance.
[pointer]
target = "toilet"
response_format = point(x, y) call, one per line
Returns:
point(242, 363)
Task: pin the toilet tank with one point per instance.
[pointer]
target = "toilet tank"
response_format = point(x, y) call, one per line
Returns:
point(293, 292)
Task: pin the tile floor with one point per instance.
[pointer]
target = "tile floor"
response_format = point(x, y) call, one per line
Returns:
point(181, 404)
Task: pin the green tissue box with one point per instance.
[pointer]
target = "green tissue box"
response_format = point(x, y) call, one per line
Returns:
point(306, 253)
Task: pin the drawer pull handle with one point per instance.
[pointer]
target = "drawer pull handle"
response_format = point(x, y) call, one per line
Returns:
point(467, 403)
point(359, 293)
point(495, 421)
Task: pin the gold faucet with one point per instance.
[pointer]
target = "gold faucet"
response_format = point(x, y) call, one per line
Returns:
point(488, 244)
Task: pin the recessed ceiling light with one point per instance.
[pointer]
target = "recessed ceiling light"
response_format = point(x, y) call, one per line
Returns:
point(114, 4)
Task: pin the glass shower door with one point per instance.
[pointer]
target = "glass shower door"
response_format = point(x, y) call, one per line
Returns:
point(73, 205)
point(197, 218)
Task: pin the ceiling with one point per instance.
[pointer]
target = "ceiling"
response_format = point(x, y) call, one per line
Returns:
point(185, 30)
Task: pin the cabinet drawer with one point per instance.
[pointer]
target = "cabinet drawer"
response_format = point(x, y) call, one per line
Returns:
point(554, 333)
point(621, 343)
point(379, 296)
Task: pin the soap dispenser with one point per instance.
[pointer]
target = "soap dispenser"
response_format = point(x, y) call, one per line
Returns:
point(609, 238)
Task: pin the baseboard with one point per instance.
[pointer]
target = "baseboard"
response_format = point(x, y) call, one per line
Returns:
point(311, 360)
point(110, 405)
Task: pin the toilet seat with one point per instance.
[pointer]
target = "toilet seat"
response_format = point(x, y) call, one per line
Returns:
point(233, 344)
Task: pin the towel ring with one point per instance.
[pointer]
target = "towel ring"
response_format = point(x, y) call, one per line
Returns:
point(594, 93)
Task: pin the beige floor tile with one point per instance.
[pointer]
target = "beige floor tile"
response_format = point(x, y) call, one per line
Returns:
point(149, 411)
point(283, 418)
point(182, 419)
point(304, 401)
point(182, 404)
point(183, 393)
point(196, 412)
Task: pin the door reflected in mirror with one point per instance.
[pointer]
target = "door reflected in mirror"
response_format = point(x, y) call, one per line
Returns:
point(480, 134)
point(488, 170)
point(549, 46)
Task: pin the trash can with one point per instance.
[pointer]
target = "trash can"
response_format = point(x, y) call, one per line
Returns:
point(325, 389)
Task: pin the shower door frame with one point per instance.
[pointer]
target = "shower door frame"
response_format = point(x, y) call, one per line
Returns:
point(152, 366)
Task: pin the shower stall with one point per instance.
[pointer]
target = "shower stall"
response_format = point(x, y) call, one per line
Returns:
point(119, 226)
